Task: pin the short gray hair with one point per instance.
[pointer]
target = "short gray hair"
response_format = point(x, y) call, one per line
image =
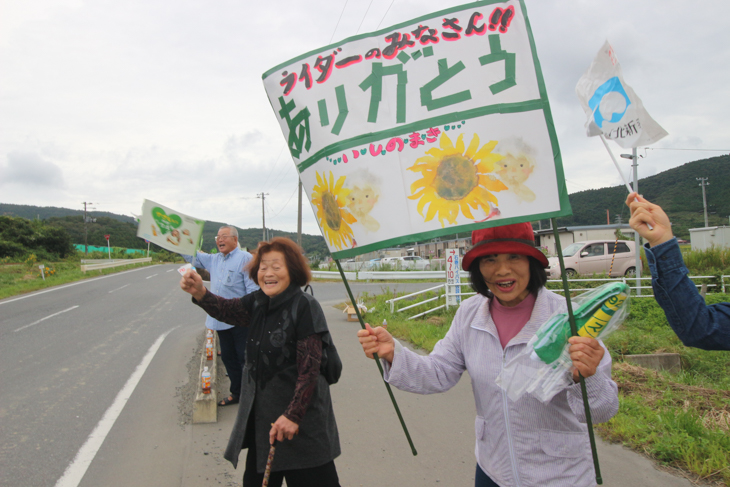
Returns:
point(234, 232)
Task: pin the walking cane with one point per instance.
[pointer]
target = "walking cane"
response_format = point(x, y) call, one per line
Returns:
point(269, 461)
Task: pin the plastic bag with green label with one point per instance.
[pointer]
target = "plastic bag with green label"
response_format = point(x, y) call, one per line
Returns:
point(543, 368)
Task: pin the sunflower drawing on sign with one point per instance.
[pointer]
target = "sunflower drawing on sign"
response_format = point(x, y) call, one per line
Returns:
point(455, 179)
point(330, 198)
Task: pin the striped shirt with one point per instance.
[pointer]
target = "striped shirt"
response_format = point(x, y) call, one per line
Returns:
point(519, 443)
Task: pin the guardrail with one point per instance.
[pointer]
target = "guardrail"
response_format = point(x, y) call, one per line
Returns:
point(350, 276)
point(113, 263)
point(704, 287)
point(386, 275)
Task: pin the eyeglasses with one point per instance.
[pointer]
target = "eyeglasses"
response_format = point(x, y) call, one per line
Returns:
point(221, 237)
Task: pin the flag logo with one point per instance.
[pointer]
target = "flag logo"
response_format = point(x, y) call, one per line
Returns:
point(611, 98)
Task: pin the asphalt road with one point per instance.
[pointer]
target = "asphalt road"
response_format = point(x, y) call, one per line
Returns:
point(68, 355)
point(97, 376)
point(67, 352)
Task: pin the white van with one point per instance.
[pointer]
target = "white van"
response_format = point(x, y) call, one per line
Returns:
point(596, 256)
point(413, 262)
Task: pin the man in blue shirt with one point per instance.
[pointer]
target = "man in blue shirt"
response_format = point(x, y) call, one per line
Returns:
point(229, 279)
point(695, 323)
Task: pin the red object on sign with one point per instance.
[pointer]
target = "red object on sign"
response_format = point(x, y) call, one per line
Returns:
point(107, 236)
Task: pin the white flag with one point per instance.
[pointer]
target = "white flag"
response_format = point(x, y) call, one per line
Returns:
point(612, 107)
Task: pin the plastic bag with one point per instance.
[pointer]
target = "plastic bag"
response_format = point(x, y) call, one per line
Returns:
point(543, 368)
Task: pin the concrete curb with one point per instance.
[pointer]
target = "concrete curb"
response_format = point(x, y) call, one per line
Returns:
point(205, 406)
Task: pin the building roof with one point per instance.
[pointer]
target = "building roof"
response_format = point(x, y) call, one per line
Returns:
point(613, 226)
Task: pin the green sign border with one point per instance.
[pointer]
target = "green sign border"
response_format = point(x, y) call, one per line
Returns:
point(524, 106)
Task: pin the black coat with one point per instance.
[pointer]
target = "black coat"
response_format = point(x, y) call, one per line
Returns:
point(269, 379)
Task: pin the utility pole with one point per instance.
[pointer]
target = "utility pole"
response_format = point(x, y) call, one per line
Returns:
point(703, 183)
point(299, 217)
point(263, 212)
point(635, 165)
point(86, 232)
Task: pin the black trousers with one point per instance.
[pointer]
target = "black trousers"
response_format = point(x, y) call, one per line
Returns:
point(481, 479)
point(233, 354)
point(322, 476)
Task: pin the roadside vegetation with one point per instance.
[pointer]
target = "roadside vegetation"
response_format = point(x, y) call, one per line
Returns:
point(680, 420)
point(22, 275)
point(35, 255)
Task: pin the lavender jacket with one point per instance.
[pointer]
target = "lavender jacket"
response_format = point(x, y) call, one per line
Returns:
point(523, 443)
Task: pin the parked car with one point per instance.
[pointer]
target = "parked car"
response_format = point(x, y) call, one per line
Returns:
point(595, 256)
point(416, 262)
point(411, 262)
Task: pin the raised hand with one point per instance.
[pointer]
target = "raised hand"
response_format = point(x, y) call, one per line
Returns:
point(649, 220)
point(192, 283)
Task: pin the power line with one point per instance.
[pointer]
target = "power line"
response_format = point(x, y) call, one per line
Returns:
point(676, 148)
point(363, 17)
point(284, 173)
point(287, 202)
point(338, 22)
point(276, 163)
point(386, 13)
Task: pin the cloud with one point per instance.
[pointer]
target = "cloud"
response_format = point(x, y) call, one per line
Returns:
point(30, 169)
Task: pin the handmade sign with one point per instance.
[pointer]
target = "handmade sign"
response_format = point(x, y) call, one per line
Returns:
point(430, 127)
point(170, 229)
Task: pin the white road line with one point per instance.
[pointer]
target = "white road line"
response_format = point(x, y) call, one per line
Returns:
point(77, 469)
point(148, 277)
point(74, 284)
point(171, 270)
point(117, 289)
point(44, 319)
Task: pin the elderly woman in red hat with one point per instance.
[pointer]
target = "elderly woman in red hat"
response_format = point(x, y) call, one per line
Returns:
point(524, 442)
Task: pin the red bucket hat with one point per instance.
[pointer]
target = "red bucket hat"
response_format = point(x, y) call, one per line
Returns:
point(508, 239)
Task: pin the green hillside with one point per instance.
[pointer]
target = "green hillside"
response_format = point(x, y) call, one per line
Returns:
point(123, 229)
point(45, 212)
point(676, 190)
point(313, 245)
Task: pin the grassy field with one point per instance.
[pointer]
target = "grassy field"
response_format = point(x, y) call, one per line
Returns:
point(25, 276)
point(680, 420)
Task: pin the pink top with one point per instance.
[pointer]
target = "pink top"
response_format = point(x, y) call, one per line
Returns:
point(510, 320)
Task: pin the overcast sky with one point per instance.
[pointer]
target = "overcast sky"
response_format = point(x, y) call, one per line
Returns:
point(112, 102)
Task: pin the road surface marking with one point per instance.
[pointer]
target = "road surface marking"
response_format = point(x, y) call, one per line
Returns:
point(117, 289)
point(77, 469)
point(148, 277)
point(44, 319)
point(171, 270)
point(74, 284)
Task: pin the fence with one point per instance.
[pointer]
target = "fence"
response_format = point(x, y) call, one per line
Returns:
point(365, 275)
point(637, 291)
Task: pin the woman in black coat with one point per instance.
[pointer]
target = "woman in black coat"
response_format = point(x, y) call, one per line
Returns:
point(284, 397)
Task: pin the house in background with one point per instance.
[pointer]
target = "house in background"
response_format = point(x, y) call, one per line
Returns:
point(707, 237)
point(546, 239)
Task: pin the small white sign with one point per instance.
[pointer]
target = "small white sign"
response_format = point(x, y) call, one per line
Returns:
point(453, 279)
point(184, 269)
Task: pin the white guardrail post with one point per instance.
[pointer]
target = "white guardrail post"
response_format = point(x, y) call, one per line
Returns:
point(113, 263)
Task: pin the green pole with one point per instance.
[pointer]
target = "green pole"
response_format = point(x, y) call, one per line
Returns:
point(377, 361)
point(574, 332)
